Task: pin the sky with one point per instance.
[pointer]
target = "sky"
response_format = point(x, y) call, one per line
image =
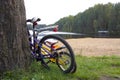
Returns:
point(50, 11)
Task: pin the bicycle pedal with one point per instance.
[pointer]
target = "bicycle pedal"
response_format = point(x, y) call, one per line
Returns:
point(53, 60)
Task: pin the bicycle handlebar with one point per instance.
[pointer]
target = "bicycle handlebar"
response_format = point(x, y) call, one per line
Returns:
point(34, 22)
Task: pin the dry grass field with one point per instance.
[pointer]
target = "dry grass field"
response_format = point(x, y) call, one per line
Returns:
point(95, 46)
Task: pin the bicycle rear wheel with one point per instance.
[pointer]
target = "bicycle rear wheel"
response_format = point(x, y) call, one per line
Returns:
point(59, 51)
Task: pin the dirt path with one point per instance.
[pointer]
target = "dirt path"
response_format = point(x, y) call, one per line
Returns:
point(95, 46)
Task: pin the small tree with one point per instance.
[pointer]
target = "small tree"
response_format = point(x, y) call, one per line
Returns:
point(14, 47)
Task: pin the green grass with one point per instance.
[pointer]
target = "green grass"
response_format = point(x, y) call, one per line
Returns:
point(88, 68)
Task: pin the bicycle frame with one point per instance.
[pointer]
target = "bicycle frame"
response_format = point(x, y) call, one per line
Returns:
point(35, 44)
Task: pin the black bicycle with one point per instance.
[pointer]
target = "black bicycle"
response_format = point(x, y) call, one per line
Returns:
point(51, 48)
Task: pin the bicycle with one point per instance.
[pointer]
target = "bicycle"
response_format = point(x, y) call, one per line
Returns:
point(51, 48)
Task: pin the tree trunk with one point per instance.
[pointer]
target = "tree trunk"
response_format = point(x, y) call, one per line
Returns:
point(14, 47)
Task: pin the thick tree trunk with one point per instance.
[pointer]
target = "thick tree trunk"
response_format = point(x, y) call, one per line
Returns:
point(14, 47)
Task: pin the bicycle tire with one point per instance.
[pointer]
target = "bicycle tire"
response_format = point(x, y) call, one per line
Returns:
point(71, 54)
point(74, 68)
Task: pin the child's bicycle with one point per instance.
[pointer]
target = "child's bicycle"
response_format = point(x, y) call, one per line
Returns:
point(51, 48)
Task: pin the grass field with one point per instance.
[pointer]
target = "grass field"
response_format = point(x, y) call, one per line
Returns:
point(92, 68)
point(97, 59)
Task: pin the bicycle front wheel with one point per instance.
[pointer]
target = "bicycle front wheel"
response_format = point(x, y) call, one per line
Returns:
point(60, 52)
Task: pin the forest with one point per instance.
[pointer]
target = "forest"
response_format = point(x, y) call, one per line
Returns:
point(101, 17)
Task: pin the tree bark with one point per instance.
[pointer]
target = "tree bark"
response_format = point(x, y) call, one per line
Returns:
point(14, 47)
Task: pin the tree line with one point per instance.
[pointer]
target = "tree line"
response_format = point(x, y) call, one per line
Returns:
point(101, 17)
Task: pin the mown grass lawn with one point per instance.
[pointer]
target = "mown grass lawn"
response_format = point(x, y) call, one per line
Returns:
point(88, 68)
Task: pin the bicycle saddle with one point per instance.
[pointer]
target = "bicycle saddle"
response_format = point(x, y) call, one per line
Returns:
point(33, 20)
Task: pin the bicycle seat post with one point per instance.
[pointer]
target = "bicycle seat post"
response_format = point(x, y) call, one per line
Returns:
point(34, 43)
